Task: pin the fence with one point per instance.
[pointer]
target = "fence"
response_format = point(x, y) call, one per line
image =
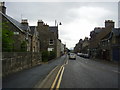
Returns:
point(16, 61)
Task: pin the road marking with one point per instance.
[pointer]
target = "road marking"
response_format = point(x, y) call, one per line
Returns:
point(40, 85)
point(60, 79)
point(116, 71)
point(53, 85)
point(66, 62)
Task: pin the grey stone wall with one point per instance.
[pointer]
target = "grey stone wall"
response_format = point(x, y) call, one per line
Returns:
point(17, 61)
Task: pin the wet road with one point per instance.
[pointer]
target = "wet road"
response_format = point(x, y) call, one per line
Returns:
point(79, 73)
point(29, 78)
point(85, 73)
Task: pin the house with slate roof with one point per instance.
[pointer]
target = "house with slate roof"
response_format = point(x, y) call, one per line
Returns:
point(37, 38)
point(48, 38)
point(105, 44)
point(110, 45)
point(21, 30)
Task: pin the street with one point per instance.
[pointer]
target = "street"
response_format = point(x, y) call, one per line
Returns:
point(79, 73)
point(85, 73)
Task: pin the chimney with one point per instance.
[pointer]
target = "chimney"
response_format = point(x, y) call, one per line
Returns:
point(24, 22)
point(2, 7)
point(109, 23)
point(46, 27)
point(86, 39)
point(40, 23)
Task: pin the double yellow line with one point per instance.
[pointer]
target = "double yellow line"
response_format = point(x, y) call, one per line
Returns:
point(57, 81)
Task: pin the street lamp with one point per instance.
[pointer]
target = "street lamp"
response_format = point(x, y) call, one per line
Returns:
point(56, 23)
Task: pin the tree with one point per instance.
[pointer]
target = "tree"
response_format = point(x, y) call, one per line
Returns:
point(7, 40)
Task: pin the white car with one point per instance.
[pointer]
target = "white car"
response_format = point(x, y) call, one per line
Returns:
point(79, 54)
point(72, 56)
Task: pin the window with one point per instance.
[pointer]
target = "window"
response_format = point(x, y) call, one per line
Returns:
point(50, 49)
point(51, 42)
point(16, 33)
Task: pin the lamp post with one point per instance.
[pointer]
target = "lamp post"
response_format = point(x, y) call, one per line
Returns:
point(56, 23)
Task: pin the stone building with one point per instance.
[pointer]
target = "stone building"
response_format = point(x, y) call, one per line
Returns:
point(48, 36)
point(58, 47)
point(101, 43)
point(78, 46)
point(63, 49)
point(21, 30)
point(24, 43)
point(82, 46)
point(85, 46)
point(110, 45)
point(35, 39)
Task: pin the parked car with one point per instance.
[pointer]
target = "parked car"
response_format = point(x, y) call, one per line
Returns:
point(79, 54)
point(84, 55)
point(72, 56)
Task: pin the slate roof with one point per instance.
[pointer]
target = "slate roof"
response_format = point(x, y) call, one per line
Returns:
point(53, 29)
point(16, 23)
point(115, 31)
point(32, 28)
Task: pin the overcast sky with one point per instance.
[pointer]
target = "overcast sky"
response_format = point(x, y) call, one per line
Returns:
point(77, 18)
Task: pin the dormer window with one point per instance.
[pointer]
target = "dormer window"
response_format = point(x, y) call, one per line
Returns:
point(51, 42)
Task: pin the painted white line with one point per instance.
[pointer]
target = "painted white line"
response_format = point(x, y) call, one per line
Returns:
point(116, 71)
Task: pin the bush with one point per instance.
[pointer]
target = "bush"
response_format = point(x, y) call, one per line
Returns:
point(52, 55)
point(45, 56)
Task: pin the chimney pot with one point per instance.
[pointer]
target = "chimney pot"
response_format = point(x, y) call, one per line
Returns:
point(24, 21)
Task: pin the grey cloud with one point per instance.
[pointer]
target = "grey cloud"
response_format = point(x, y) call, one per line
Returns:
point(50, 10)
